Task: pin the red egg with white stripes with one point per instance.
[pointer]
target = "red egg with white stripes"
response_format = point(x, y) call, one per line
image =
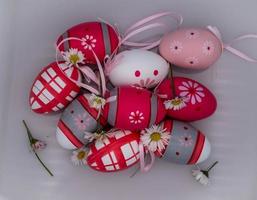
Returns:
point(114, 153)
point(185, 144)
point(77, 119)
point(97, 36)
point(52, 89)
point(194, 101)
point(135, 108)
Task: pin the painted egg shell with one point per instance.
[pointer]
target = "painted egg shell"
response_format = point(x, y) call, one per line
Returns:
point(77, 119)
point(187, 145)
point(199, 101)
point(96, 36)
point(52, 89)
point(115, 153)
point(194, 48)
point(137, 67)
point(135, 108)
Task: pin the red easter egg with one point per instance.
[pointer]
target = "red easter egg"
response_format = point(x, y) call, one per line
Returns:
point(52, 89)
point(115, 153)
point(97, 36)
point(135, 108)
point(199, 101)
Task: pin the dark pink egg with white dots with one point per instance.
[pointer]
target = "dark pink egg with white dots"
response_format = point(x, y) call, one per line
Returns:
point(194, 48)
point(137, 67)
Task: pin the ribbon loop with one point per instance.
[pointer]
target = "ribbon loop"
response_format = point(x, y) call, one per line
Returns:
point(143, 166)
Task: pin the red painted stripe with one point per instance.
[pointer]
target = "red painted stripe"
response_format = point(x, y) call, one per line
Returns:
point(68, 133)
point(150, 109)
point(198, 148)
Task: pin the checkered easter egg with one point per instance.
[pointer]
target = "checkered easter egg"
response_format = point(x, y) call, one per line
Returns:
point(186, 145)
point(97, 36)
point(198, 101)
point(52, 89)
point(77, 119)
point(115, 153)
point(135, 108)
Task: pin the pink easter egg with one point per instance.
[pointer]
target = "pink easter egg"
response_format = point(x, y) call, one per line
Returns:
point(199, 102)
point(192, 48)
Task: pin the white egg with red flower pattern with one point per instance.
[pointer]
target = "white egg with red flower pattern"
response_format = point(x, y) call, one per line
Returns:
point(137, 67)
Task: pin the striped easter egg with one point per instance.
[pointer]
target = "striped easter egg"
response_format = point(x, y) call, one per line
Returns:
point(114, 153)
point(52, 89)
point(97, 36)
point(135, 108)
point(187, 145)
point(77, 119)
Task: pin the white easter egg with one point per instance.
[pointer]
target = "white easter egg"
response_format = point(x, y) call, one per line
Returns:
point(137, 67)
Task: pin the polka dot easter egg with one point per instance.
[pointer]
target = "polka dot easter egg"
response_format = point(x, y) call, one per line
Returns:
point(177, 142)
point(53, 88)
point(137, 67)
point(77, 119)
point(114, 153)
point(135, 108)
point(192, 100)
point(94, 36)
point(193, 48)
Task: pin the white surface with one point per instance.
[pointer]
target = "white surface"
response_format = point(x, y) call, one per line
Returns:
point(28, 30)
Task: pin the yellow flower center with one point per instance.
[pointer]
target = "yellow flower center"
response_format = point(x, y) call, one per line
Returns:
point(155, 136)
point(81, 155)
point(74, 58)
point(98, 101)
point(176, 102)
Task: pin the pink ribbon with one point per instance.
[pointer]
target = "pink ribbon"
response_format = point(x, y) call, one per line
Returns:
point(228, 46)
point(143, 166)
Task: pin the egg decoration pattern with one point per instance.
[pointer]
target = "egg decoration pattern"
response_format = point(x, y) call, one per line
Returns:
point(114, 153)
point(135, 108)
point(77, 119)
point(137, 67)
point(52, 89)
point(192, 100)
point(193, 48)
point(185, 145)
point(97, 36)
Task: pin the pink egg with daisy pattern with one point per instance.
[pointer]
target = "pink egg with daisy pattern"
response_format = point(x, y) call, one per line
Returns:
point(193, 48)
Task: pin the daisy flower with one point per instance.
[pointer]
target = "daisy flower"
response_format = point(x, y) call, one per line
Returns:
point(99, 136)
point(202, 176)
point(38, 145)
point(191, 90)
point(96, 102)
point(136, 117)
point(208, 48)
point(73, 57)
point(155, 138)
point(176, 47)
point(79, 156)
point(176, 104)
point(88, 42)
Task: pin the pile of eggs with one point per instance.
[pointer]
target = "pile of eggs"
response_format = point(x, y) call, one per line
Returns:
point(139, 81)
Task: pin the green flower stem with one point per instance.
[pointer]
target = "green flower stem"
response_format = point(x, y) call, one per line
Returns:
point(31, 141)
point(209, 168)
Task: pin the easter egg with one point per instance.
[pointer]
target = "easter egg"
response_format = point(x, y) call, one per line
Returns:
point(52, 89)
point(97, 36)
point(134, 108)
point(198, 103)
point(137, 67)
point(115, 153)
point(186, 145)
point(193, 48)
point(77, 119)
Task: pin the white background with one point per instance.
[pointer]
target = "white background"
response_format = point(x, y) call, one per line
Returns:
point(28, 30)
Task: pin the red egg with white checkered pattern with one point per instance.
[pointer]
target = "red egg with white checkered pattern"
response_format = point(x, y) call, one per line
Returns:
point(115, 153)
point(52, 89)
point(97, 36)
point(135, 108)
